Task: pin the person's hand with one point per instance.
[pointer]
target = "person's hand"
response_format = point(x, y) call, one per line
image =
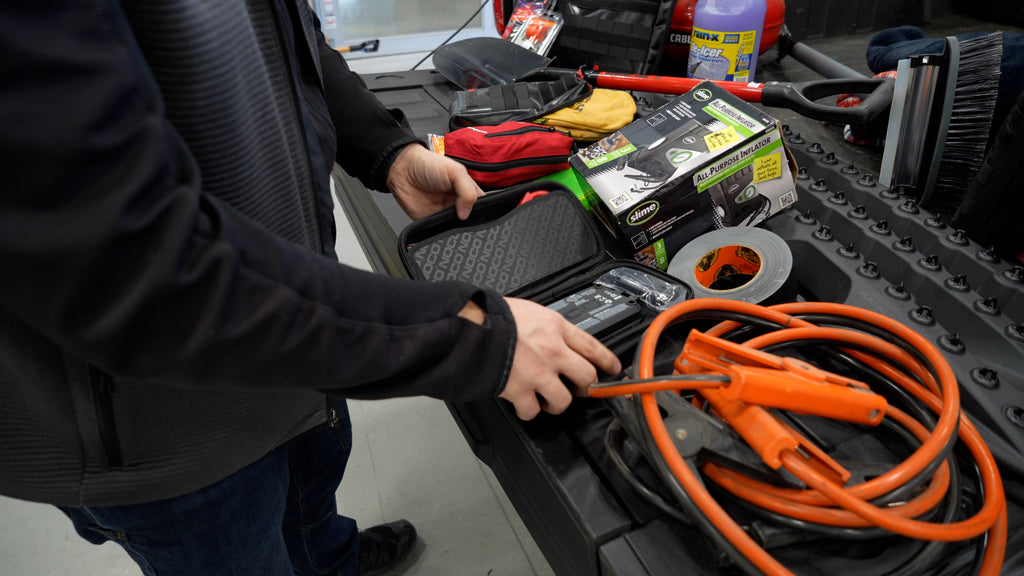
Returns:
point(424, 182)
point(548, 345)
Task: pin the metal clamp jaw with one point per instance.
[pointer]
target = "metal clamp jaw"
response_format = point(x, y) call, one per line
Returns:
point(759, 381)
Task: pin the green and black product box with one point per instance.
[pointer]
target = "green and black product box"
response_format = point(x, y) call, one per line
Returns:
point(703, 161)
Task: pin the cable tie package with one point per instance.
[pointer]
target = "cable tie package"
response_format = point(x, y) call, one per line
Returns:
point(651, 290)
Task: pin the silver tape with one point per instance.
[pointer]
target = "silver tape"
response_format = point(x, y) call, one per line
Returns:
point(737, 263)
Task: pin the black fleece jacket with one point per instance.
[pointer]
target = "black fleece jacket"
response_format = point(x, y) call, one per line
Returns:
point(170, 305)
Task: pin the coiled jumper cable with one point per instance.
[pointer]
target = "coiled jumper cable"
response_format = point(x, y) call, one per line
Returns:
point(751, 382)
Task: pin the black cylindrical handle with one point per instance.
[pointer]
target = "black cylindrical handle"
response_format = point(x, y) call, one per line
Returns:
point(802, 97)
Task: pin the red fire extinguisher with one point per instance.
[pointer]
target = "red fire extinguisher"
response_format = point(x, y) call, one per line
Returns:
point(677, 44)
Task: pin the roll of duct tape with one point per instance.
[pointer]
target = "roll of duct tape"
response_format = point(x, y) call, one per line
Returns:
point(738, 263)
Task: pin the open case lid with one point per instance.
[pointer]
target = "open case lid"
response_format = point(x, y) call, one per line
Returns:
point(548, 250)
point(514, 249)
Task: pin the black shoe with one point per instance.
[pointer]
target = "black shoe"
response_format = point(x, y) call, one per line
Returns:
point(382, 547)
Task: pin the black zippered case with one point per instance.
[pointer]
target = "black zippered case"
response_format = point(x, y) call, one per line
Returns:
point(545, 250)
point(548, 250)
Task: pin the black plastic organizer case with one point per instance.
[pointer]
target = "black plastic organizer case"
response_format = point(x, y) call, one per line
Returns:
point(543, 250)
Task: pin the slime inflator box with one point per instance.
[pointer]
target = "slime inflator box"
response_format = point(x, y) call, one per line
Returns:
point(703, 161)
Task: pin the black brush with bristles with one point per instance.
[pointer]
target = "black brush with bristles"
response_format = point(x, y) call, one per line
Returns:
point(993, 209)
point(970, 121)
point(941, 121)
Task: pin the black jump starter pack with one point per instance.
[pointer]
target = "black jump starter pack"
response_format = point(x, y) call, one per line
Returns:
point(600, 310)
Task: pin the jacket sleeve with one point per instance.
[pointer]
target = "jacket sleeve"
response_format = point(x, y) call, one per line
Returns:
point(369, 134)
point(111, 249)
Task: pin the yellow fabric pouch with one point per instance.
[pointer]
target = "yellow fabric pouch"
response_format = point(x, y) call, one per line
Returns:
point(593, 117)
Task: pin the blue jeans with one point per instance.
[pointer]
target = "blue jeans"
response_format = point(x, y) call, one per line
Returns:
point(275, 517)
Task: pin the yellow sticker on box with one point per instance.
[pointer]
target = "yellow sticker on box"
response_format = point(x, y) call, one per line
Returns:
point(767, 168)
point(722, 139)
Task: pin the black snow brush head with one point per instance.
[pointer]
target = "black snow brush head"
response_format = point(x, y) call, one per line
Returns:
point(941, 119)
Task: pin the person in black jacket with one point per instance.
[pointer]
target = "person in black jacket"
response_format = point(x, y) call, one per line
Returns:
point(176, 334)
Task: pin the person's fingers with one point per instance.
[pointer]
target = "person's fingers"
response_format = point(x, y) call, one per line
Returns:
point(524, 400)
point(579, 374)
point(548, 349)
point(549, 396)
point(424, 182)
point(555, 396)
point(593, 351)
point(466, 193)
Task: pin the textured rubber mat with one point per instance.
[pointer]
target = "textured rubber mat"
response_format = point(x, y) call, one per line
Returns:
point(858, 243)
point(534, 241)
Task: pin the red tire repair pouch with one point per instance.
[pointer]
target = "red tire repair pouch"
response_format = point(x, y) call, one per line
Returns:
point(509, 153)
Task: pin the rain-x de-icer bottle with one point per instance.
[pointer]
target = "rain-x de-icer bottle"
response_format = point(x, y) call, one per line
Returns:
point(726, 38)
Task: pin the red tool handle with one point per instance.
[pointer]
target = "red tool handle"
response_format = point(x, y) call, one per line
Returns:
point(800, 97)
point(747, 91)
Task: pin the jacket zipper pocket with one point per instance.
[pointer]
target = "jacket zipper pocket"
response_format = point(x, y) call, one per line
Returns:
point(509, 164)
point(103, 402)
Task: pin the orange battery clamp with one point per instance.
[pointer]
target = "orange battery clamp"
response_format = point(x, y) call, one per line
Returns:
point(782, 382)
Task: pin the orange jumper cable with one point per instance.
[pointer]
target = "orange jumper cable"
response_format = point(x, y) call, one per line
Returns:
point(764, 378)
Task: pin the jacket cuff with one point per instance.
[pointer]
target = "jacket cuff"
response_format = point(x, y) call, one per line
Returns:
point(382, 166)
point(500, 316)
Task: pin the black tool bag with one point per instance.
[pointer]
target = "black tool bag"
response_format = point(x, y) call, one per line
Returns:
point(549, 250)
point(615, 35)
point(536, 94)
